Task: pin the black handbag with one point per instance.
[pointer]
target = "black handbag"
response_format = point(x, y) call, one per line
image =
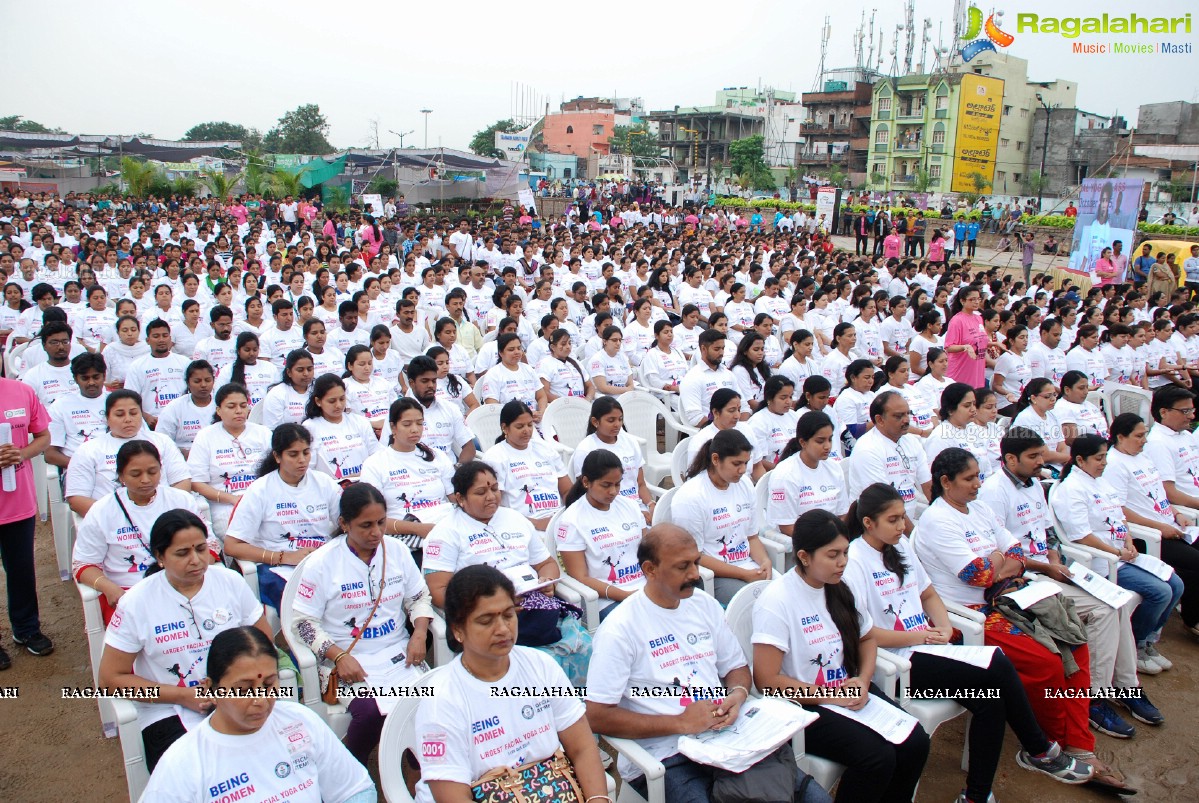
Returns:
point(771, 780)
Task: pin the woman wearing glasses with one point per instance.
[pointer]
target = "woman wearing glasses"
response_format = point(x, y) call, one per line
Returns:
point(112, 548)
point(1035, 411)
point(159, 638)
point(336, 610)
point(225, 455)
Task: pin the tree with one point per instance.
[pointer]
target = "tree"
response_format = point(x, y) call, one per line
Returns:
point(878, 180)
point(1179, 190)
point(219, 183)
point(14, 122)
point(836, 175)
point(215, 132)
point(139, 177)
point(921, 180)
point(287, 183)
point(387, 187)
point(301, 130)
point(483, 142)
point(980, 184)
point(1037, 184)
point(257, 174)
point(635, 141)
point(748, 160)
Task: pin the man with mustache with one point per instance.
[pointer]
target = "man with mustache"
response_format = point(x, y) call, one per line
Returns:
point(889, 453)
point(665, 664)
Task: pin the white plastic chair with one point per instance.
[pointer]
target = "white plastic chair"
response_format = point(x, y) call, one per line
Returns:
point(256, 413)
point(41, 485)
point(93, 629)
point(62, 523)
point(588, 598)
point(13, 364)
point(484, 421)
point(566, 418)
point(249, 570)
point(679, 463)
point(769, 532)
point(1083, 553)
point(1128, 399)
point(641, 413)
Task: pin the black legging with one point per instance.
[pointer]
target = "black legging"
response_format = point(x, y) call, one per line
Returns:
point(876, 771)
point(989, 716)
point(1184, 558)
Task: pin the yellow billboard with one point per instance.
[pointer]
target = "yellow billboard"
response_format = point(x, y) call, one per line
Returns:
point(980, 110)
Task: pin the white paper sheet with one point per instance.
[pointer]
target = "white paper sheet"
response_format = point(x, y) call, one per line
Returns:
point(1190, 534)
point(761, 727)
point(1099, 587)
point(888, 721)
point(1155, 566)
point(1033, 593)
point(975, 656)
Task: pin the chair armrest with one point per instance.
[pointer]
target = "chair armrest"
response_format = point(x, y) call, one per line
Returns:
point(87, 593)
point(892, 673)
point(442, 654)
point(964, 612)
point(640, 758)
point(656, 491)
point(637, 439)
point(678, 426)
point(972, 631)
point(709, 579)
point(588, 599)
point(1151, 537)
point(562, 448)
point(775, 552)
point(1083, 554)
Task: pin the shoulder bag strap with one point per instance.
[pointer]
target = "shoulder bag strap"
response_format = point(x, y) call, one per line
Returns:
point(378, 599)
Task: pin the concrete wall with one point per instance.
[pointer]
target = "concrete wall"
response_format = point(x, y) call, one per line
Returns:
point(1175, 119)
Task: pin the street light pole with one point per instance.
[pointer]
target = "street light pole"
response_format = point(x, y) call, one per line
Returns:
point(426, 113)
point(1044, 149)
point(401, 135)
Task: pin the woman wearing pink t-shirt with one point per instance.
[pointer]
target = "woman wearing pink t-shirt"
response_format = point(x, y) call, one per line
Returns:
point(892, 245)
point(371, 238)
point(966, 339)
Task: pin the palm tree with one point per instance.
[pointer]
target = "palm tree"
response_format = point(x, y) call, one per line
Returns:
point(219, 183)
point(185, 186)
point(138, 176)
point(286, 183)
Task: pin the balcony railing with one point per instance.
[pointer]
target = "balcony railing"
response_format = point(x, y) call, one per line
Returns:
point(917, 113)
point(908, 148)
point(908, 179)
point(880, 147)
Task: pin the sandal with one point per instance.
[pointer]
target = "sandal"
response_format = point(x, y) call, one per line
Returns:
point(1105, 777)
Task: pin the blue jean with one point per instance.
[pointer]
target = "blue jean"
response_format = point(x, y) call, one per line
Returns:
point(689, 782)
point(1158, 598)
point(270, 586)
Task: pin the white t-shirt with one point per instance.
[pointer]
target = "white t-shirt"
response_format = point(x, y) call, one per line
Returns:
point(902, 465)
point(769, 432)
point(276, 343)
point(721, 521)
point(631, 458)
point(663, 368)
point(608, 540)
point(228, 464)
point(465, 730)
point(948, 541)
point(1090, 363)
point(181, 420)
point(118, 357)
point(283, 405)
point(1049, 428)
point(445, 429)
point(412, 485)
point(118, 545)
point(892, 605)
point(1086, 416)
point(528, 477)
point(1047, 363)
point(563, 378)
point(697, 387)
point(275, 516)
point(1138, 485)
point(795, 489)
point(50, 383)
point(1024, 509)
point(1120, 363)
point(74, 420)
point(340, 449)
point(330, 361)
point(506, 541)
point(1086, 505)
point(793, 617)
point(93, 470)
point(339, 590)
point(218, 353)
point(159, 380)
point(503, 385)
point(372, 400)
point(170, 634)
point(614, 369)
point(642, 645)
point(294, 756)
point(897, 334)
point(1015, 372)
point(1176, 455)
point(259, 376)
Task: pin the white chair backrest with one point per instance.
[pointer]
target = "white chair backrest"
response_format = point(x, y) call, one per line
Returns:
point(662, 509)
point(257, 412)
point(740, 616)
point(551, 540)
point(484, 421)
point(641, 411)
point(679, 462)
point(567, 417)
point(1128, 399)
point(399, 734)
point(287, 601)
point(13, 364)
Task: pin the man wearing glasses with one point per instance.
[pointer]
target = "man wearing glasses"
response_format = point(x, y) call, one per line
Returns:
point(889, 453)
point(1172, 446)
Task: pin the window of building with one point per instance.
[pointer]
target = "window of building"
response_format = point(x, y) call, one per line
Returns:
point(939, 136)
point(1024, 114)
point(884, 104)
point(597, 130)
point(879, 168)
point(1001, 177)
point(1019, 145)
point(881, 136)
point(1007, 110)
point(566, 172)
point(1004, 142)
point(570, 129)
point(1016, 177)
point(934, 172)
point(942, 102)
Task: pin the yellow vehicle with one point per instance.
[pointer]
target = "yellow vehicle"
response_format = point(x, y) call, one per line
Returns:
point(1181, 249)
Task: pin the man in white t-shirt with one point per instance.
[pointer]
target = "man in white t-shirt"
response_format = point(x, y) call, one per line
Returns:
point(445, 428)
point(462, 242)
point(706, 377)
point(159, 376)
point(1171, 445)
point(77, 417)
point(1046, 359)
point(665, 664)
point(890, 454)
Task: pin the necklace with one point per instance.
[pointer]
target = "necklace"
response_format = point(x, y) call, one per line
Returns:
point(476, 676)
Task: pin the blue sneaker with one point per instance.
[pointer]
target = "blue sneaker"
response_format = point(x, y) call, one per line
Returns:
point(1143, 710)
point(1104, 719)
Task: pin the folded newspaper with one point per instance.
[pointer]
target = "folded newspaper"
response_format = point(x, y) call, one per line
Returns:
point(762, 726)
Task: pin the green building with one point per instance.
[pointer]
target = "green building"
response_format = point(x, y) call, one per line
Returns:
point(913, 122)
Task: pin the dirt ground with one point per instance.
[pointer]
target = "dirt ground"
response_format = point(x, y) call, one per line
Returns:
point(53, 749)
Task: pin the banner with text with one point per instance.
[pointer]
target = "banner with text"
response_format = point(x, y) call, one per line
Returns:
point(1107, 211)
point(980, 110)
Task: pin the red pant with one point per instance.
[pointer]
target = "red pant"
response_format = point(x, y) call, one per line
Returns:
point(1063, 720)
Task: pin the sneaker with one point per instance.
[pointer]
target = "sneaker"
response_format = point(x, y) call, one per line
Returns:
point(1145, 664)
point(1158, 658)
point(963, 799)
point(1105, 720)
point(5, 660)
point(1143, 710)
point(37, 644)
point(1056, 765)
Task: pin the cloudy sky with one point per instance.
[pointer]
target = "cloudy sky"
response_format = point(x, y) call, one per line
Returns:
point(161, 66)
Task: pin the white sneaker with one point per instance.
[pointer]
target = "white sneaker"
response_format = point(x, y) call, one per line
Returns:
point(1145, 664)
point(1158, 658)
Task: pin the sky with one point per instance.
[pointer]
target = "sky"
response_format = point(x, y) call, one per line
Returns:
point(161, 66)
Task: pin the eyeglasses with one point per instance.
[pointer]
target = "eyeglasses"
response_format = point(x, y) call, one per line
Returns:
point(1183, 410)
point(190, 612)
point(1049, 396)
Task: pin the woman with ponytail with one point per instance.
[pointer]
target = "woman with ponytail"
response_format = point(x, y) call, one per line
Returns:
point(605, 430)
point(888, 581)
point(809, 637)
point(247, 370)
point(805, 479)
point(771, 426)
point(600, 530)
point(366, 394)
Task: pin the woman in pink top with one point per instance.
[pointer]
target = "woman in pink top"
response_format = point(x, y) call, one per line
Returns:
point(371, 238)
point(966, 339)
point(936, 248)
point(1105, 271)
point(892, 245)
